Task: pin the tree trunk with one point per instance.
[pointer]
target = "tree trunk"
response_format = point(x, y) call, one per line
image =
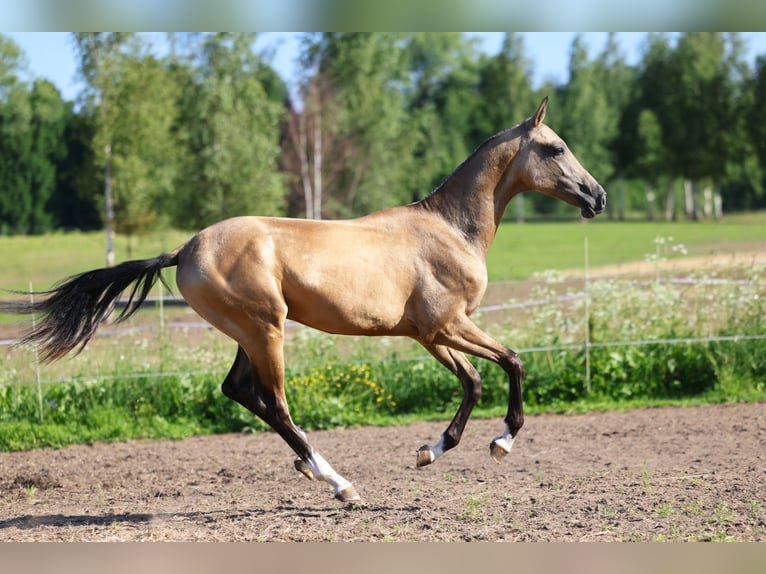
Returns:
point(649, 193)
point(670, 202)
point(304, 165)
point(707, 206)
point(318, 167)
point(108, 206)
point(717, 201)
point(689, 199)
point(696, 203)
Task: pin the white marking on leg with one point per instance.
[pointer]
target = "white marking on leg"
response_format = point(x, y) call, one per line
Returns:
point(505, 440)
point(299, 464)
point(323, 471)
point(438, 449)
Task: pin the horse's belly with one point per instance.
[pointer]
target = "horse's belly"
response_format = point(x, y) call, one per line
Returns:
point(350, 308)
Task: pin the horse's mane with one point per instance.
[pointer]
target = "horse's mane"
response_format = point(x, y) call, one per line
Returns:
point(490, 141)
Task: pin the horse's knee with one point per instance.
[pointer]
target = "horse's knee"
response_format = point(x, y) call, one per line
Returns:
point(471, 381)
point(473, 389)
point(513, 365)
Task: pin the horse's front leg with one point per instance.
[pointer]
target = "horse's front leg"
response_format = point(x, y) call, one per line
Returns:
point(469, 377)
point(468, 338)
point(514, 419)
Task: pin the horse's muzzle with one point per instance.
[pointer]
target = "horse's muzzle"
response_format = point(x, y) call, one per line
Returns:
point(593, 201)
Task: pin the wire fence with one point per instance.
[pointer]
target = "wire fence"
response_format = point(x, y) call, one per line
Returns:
point(162, 300)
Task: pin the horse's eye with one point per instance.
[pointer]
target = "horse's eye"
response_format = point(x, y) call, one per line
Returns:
point(554, 150)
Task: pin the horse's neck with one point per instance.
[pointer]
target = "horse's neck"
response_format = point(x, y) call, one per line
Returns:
point(472, 199)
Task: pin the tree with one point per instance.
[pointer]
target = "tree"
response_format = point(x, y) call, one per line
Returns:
point(351, 141)
point(504, 88)
point(649, 160)
point(228, 132)
point(707, 68)
point(314, 152)
point(144, 159)
point(15, 141)
point(32, 120)
point(75, 202)
point(756, 130)
point(49, 115)
point(444, 72)
point(641, 148)
point(100, 57)
point(738, 178)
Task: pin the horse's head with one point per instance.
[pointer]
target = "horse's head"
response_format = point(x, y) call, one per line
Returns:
point(545, 163)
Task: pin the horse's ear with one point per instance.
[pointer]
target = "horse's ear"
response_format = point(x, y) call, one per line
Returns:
point(539, 116)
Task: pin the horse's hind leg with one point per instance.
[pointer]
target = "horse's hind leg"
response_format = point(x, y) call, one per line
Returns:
point(246, 384)
point(300, 464)
point(242, 385)
point(469, 377)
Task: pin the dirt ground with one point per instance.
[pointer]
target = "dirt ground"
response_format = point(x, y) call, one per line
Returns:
point(693, 473)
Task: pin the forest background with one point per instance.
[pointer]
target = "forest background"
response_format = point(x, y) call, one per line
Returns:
point(210, 130)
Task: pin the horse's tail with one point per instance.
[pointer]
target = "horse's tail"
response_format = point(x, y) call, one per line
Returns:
point(70, 313)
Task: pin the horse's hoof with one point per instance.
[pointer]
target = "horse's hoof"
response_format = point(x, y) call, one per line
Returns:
point(348, 494)
point(425, 456)
point(498, 451)
point(303, 468)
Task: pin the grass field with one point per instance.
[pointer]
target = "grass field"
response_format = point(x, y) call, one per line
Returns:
point(45, 259)
point(521, 250)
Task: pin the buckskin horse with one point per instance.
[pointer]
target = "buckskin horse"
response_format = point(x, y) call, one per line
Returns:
point(416, 271)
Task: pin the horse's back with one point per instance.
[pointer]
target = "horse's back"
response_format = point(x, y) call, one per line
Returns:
point(350, 276)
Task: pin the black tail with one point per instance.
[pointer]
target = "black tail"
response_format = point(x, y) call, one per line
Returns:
point(70, 313)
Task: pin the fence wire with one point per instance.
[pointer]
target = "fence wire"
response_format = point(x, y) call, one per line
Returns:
point(161, 302)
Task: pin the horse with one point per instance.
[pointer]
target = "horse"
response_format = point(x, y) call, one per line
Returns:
point(416, 270)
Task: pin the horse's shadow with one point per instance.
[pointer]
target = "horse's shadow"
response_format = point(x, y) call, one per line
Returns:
point(30, 522)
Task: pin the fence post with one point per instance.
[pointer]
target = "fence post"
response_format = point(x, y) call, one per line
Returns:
point(587, 319)
point(37, 360)
point(162, 308)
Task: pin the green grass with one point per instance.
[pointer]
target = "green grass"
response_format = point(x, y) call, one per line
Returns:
point(520, 250)
point(46, 259)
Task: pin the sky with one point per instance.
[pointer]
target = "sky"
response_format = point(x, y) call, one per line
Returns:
point(51, 55)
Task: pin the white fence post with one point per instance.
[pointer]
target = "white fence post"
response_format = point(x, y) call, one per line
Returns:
point(587, 320)
point(162, 308)
point(37, 360)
